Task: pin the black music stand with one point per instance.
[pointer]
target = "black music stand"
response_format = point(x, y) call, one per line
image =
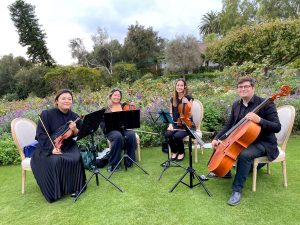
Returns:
point(121, 121)
point(190, 170)
point(166, 118)
point(90, 124)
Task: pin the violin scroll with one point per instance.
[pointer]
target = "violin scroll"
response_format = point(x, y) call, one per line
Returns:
point(129, 106)
point(285, 90)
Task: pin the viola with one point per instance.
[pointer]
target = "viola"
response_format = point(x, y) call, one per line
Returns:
point(184, 112)
point(62, 133)
point(129, 106)
point(237, 139)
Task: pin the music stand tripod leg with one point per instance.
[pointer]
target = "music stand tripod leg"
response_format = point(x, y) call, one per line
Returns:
point(95, 171)
point(190, 170)
point(167, 164)
point(126, 157)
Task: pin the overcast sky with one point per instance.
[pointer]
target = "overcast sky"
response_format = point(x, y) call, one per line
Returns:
point(63, 20)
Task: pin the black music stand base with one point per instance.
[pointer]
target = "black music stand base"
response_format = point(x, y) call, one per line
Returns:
point(126, 157)
point(167, 164)
point(192, 173)
point(95, 171)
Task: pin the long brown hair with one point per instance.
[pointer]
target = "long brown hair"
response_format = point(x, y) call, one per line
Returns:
point(175, 94)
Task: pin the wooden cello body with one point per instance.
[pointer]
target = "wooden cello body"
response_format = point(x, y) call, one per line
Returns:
point(237, 139)
point(228, 151)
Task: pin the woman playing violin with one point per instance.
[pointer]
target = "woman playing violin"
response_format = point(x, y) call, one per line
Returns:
point(58, 167)
point(181, 104)
point(115, 136)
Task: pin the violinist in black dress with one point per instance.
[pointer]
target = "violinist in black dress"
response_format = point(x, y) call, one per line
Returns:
point(175, 133)
point(58, 170)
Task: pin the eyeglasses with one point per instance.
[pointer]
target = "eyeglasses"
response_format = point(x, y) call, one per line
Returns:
point(244, 87)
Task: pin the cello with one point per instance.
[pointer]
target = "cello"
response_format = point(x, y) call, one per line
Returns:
point(236, 139)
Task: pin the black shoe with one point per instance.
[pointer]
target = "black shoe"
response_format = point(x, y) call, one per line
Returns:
point(74, 195)
point(179, 160)
point(235, 198)
point(111, 168)
point(213, 175)
point(174, 159)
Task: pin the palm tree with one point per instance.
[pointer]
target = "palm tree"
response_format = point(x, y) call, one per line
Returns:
point(210, 24)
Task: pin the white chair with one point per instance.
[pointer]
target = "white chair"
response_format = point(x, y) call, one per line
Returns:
point(197, 113)
point(23, 132)
point(286, 116)
point(138, 146)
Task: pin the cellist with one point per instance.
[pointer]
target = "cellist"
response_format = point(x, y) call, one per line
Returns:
point(264, 145)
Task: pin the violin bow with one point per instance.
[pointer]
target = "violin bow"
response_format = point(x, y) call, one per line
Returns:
point(46, 132)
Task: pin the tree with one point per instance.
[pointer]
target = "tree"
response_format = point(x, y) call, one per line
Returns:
point(183, 54)
point(9, 66)
point(236, 13)
point(78, 51)
point(31, 80)
point(210, 24)
point(273, 9)
point(105, 51)
point(142, 44)
point(30, 33)
point(276, 42)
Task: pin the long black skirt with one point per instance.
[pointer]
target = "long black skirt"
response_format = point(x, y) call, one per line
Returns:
point(58, 175)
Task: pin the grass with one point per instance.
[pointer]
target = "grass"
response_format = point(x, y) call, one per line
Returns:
point(148, 201)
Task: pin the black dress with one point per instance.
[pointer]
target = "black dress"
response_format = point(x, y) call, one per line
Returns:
point(175, 137)
point(57, 175)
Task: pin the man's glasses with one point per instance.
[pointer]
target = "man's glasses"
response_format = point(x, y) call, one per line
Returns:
point(244, 86)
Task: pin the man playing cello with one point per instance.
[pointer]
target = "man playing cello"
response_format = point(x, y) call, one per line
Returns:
point(264, 145)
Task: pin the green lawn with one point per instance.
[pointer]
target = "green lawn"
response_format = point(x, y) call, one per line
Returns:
point(147, 201)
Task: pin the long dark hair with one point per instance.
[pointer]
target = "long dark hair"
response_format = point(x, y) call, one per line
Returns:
point(175, 94)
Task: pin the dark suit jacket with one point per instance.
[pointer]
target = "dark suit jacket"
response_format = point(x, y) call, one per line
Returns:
point(270, 124)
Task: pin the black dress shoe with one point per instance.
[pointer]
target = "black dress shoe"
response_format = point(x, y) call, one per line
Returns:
point(174, 159)
point(111, 168)
point(235, 198)
point(213, 175)
point(178, 160)
point(74, 195)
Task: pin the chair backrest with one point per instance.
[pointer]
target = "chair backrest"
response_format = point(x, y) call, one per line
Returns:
point(286, 116)
point(197, 112)
point(23, 132)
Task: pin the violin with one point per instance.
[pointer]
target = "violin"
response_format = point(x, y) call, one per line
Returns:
point(129, 106)
point(184, 110)
point(62, 133)
point(237, 139)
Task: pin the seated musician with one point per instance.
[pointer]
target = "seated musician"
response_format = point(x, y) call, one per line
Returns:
point(115, 136)
point(175, 132)
point(265, 144)
point(58, 170)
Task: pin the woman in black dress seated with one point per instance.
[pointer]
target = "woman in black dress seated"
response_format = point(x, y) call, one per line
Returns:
point(176, 133)
point(115, 136)
point(58, 171)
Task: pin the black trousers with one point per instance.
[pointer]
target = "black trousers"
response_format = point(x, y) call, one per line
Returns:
point(175, 140)
point(244, 164)
point(117, 141)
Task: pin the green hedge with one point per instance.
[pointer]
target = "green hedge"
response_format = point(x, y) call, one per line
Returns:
point(8, 151)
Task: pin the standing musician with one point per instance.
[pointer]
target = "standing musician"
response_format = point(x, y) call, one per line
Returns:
point(58, 166)
point(175, 133)
point(115, 136)
point(266, 142)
